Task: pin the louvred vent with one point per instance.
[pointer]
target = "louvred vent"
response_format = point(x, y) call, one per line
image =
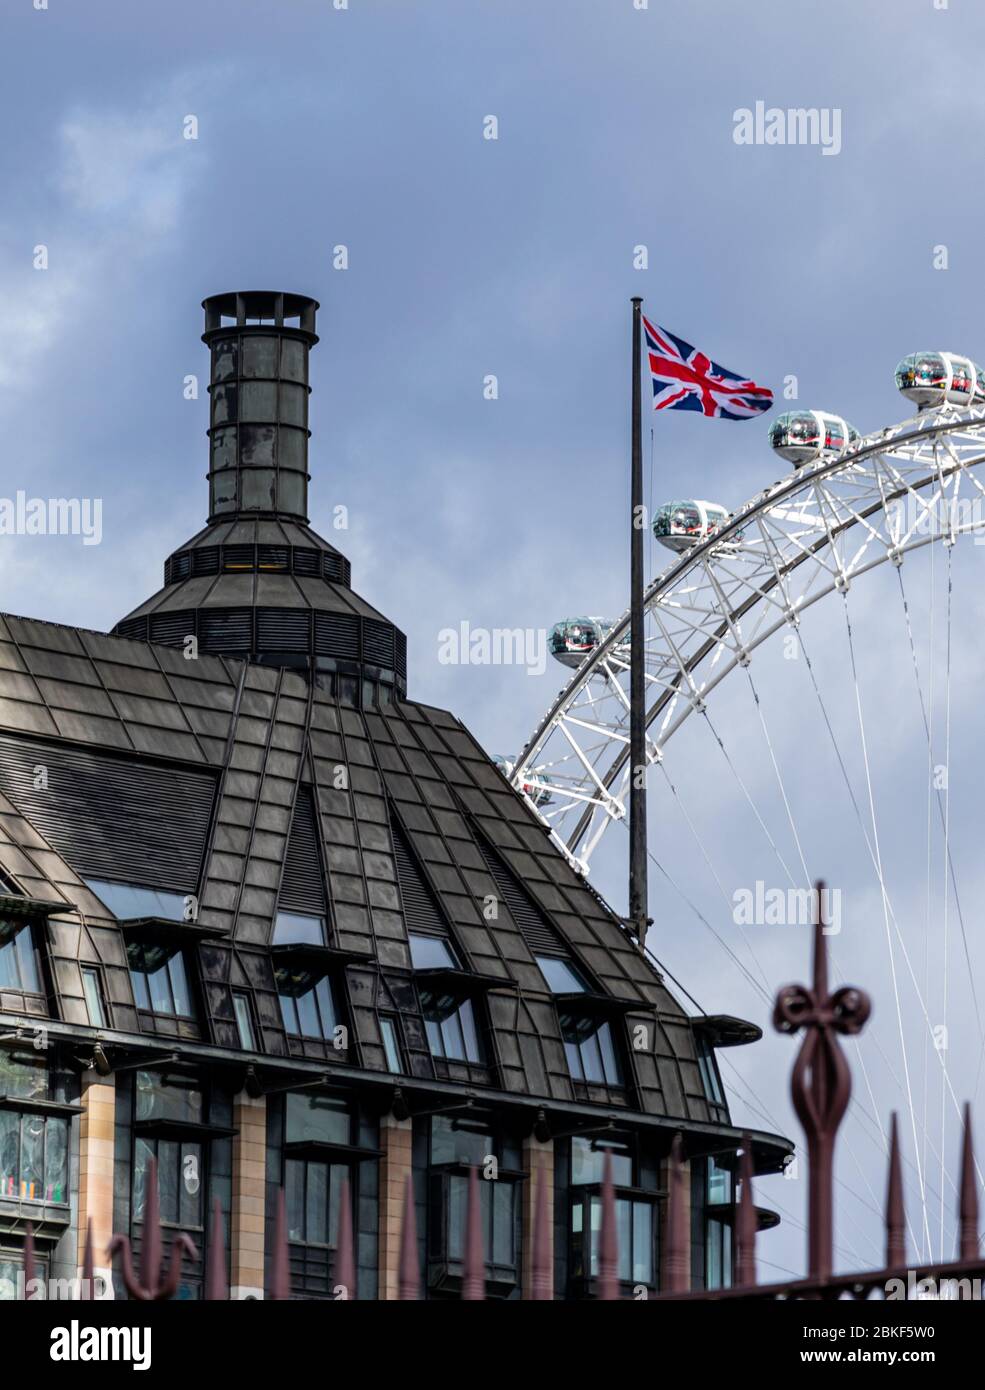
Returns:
point(421, 910)
point(302, 887)
point(536, 930)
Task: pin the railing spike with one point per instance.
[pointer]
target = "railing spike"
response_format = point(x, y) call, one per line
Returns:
point(541, 1283)
point(675, 1253)
point(216, 1288)
point(608, 1275)
point(344, 1271)
point(474, 1274)
point(409, 1274)
point(746, 1221)
point(88, 1266)
point(895, 1213)
point(968, 1207)
point(280, 1274)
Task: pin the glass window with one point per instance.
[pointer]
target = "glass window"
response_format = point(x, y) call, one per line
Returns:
point(497, 1211)
point(635, 1229)
point(562, 977)
point(244, 1022)
point(258, 401)
point(308, 1116)
point(293, 358)
point(256, 446)
point(18, 962)
point(224, 451)
point(259, 355)
point(130, 900)
point(258, 489)
point(432, 953)
point(293, 400)
point(307, 1005)
point(293, 928)
point(460, 1141)
point(590, 1049)
point(93, 996)
point(157, 973)
point(588, 1161)
point(391, 1045)
point(179, 1179)
point(168, 1097)
point(33, 1157)
point(709, 1072)
point(313, 1199)
point(24, 1077)
point(450, 1026)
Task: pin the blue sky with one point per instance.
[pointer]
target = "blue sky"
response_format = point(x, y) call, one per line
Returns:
point(512, 257)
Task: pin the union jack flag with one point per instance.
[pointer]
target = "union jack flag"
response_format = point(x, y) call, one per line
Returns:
point(685, 379)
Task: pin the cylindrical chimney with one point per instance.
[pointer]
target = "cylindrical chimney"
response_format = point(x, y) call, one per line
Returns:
point(258, 430)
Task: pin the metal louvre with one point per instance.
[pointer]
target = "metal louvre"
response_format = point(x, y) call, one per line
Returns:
point(378, 643)
point(226, 630)
point(110, 817)
point(302, 887)
point(421, 910)
point(337, 634)
point(283, 629)
point(536, 930)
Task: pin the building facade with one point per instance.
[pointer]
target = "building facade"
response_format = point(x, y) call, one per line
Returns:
point(271, 923)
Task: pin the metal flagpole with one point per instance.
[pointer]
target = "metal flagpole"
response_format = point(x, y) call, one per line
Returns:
point(638, 918)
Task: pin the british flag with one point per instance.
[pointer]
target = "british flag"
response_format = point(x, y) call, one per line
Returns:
point(685, 379)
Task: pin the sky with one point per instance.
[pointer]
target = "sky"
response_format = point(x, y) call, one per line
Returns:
point(363, 127)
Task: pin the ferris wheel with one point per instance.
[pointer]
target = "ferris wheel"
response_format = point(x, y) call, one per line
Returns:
point(737, 578)
point(851, 503)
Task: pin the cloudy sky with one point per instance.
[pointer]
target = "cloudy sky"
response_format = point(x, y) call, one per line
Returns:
point(363, 127)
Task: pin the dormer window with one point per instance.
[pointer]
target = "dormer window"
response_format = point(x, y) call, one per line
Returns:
point(298, 929)
point(307, 1005)
point(432, 953)
point(562, 976)
point(18, 957)
point(590, 1049)
point(160, 984)
point(129, 901)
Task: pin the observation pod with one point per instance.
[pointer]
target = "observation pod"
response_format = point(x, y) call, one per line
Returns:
point(679, 525)
point(940, 378)
point(540, 796)
point(572, 639)
point(802, 436)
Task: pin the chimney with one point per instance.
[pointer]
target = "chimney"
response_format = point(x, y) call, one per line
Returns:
point(258, 433)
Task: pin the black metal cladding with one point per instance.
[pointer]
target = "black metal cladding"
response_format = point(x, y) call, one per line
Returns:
point(112, 817)
point(421, 910)
point(302, 887)
point(536, 930)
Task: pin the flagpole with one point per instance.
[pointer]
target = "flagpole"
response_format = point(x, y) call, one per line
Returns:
point(638, 903)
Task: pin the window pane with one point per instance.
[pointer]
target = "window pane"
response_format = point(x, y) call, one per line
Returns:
point(719, 1184)
point(472, 1049)
point(574, 1061)
point(458, 1190)
point(308, 1015)
point(451, 1037)
point(127, 900)
point(190, 1200)
point(316, 1204)
point(624, 1234)
point(293, 927)
point(433, 1030)
point(460, 1141)
point(140, 991)
point(326, 1119)
point(326, 1007)
point(167, 1179)
point(177, 1098)
point(259, 356)
point(337, 1172)
point(258, 486)
point(93, 997)
point(24, 945)
point(289, 1016)
point(561, 976)
point(391, 1047)
point(9, 973)
point(588, 1161)
point(503, 1195)
point(244, 1024)
point(10, 1136)
point(591, 1059)
point(160, 991)
point(610, 1064)
point(142, 1154)
point(32, 1156)
point(431, 953)
point(294, 1183)
point(179, 985)
point(56, 1159)
point(642, 1243)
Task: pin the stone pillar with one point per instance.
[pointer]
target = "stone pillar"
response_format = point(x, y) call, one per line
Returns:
point(396, 1141)
point(249, 1190)
point(96, 1149)
point(538, 1164)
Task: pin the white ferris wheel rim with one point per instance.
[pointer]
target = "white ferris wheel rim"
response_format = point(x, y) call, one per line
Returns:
point(780, 552)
